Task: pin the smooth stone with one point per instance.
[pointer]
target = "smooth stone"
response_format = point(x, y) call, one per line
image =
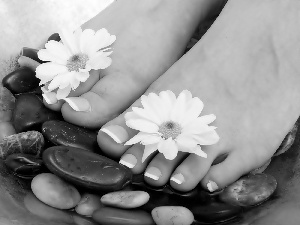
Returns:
point(54, 37)
point(215, 212)
point(55, 192)
point(40, 209)
point(30, 142)
point(172, 215)
point(250, 190)
point(28, 62)
point(87, 169)
point(7, 104)
point(82, 220)
point(114, 216)
point(30, 113)
point(6, 129)
point(24, 165)
point(66, 134)
point(88, 204)
point(21, 80)
point(125, 199)
point(31, 53)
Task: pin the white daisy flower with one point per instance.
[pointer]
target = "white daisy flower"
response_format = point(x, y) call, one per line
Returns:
point(69, 61)
point(170, 125)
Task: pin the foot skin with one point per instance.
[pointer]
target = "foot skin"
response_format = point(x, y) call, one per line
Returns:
point(246, 71)
point(150, 38)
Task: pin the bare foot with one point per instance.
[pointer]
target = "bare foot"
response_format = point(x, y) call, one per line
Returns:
point(151, 36)
point(246, 71)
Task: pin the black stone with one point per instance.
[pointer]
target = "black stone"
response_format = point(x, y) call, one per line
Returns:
point(86, 169)
point(114, 216)
point(24, 165)
point(66, 134)
point(31, 53)
point(30, 113)
point(21, 80)
point(54, 37)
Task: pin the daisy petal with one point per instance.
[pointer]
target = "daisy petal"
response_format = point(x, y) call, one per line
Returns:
point(142, 125)
point(186, 142)
point(149, 149)
point(198, 151)
point(47, 71)
point(58, 49)
point(196, 126)
point(50, 97)
point(69, 40)
point(168, 148)
point(142, 113)
point(82, 76)
point(152, 139)
point(137, 138)
point(45, 55)
point(194, 108)
point(208, 138)
point(178, 110)
point(63, 93)
point(132, 116)
point(208, 118)
point(99, 61)
point(61, 80)
point(86, 40)
point(104, 39)
point(150, 110)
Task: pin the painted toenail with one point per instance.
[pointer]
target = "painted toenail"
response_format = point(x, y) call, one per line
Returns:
point(212, 186)
point(178, 178)
point(50, 97)
point(153, 173)
point(79, 104)
point(128, 160)
point(116, 132)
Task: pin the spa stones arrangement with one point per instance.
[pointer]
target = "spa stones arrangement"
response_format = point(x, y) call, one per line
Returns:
point(68, 170)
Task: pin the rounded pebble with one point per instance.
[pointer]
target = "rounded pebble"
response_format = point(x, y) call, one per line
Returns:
point(6, 129)
point(54, 37)
point(114, 216)
point(54, 192)
point(31, 53)
point(125, 199)
point(86, 169)
point(7, 104)
point(30, 113)
point(30, 142)
point(172, 215)
point(249, 190)
point(88, 204)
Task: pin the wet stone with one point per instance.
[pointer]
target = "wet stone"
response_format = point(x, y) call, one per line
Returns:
point(172, 215)
point(88, 204)
point(250, 190)
point(7, 104)
point(30, 113)
point(86, 169)
point(21, 80)
point(125, 199)
point(66, 134)
point(31, 53)
point(54, 37)
point(24, 165)
point(54, 191)
point(214, 212)
point(6, 129)
point(114, 216)
point(30, 142)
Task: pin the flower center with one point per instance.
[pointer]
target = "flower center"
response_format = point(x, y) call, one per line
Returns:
point(76, 62)
point(170, 129)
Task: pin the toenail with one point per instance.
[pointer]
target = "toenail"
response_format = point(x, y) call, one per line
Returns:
point(116, 132)
point(128, 160)
point(79, 104)
point(178, 178)
point(50, 98)
point(153, 173)
point(212, 186)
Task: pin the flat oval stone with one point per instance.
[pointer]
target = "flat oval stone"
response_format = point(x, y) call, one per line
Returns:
point(30, 142)
point(66, 134)
point(54, 191)
point(114, 216)
point(125, 199)
point(21, 80)
point(88, 204)
point(7, 104)
point(24, 165)
point(54, 37)
point(215, 212)
point(6, 129)
point(172, 215)
point(40, 209)
point(30, 113)
point(86, 169)
point(250, 190)
point(31, 53)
